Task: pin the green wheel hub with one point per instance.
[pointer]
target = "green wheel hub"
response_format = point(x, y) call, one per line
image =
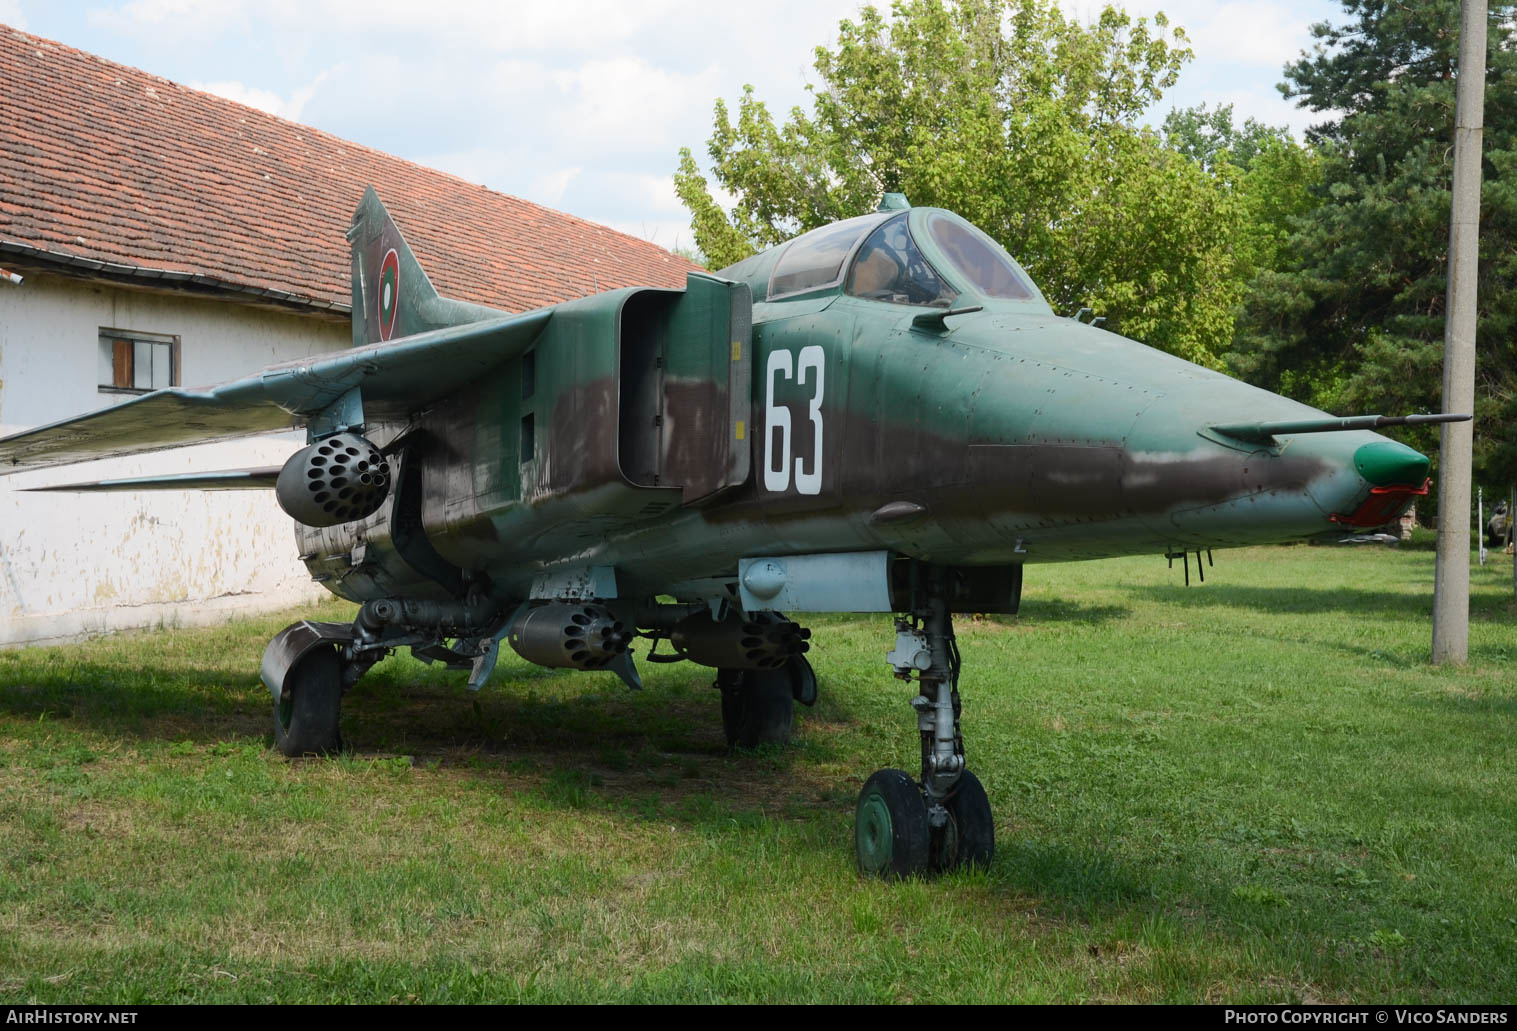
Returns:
point(874, 834)
point(890, 829)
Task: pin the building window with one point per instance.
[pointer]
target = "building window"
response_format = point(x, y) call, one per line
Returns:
point(135, 363)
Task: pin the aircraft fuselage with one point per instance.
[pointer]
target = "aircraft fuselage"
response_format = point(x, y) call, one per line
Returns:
point(1008, 436)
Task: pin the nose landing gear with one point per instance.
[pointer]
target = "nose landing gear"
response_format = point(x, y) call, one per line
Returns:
point(942, 822)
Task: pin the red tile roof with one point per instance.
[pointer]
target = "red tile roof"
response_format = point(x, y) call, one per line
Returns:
point(107, 166)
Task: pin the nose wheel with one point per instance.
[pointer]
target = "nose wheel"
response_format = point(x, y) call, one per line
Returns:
point(968, 838)
point(943, 821)
point(890, 826)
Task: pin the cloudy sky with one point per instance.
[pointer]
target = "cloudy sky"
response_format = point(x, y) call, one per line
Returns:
point(581, 105)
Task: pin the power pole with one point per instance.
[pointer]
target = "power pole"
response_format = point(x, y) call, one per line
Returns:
point(1451, 581)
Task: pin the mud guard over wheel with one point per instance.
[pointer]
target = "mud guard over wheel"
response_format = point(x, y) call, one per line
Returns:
point(306, 719)
point(802, 680)
point(302, 669)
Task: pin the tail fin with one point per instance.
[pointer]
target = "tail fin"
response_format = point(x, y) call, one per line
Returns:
point(392, 296)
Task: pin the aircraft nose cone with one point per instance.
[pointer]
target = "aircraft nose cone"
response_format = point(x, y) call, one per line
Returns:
point(1385, 463)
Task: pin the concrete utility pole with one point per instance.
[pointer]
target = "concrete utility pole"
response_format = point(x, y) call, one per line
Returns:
point(1451, 582)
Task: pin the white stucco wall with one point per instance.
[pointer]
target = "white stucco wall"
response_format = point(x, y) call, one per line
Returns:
point(77, 564)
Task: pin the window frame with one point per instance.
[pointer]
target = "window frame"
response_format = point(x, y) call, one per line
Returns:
point(107, 339)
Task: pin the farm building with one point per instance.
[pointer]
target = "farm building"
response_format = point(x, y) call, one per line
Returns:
point(165, 236)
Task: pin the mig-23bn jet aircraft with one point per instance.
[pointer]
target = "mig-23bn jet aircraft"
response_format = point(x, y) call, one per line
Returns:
point(881, 415)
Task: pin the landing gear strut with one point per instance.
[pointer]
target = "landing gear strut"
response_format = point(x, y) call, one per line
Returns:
point(943, 821)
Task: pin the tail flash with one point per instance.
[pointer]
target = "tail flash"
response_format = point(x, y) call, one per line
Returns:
point(392, 296)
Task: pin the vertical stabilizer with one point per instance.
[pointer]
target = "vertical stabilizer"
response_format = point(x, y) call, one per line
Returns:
point(392, 296)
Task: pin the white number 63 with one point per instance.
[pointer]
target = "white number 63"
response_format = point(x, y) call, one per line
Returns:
point(808, 476)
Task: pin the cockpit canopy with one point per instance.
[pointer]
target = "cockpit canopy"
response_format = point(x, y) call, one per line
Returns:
point(815, 259)
point(926, 257)
point(989, 270)
point(890, 267)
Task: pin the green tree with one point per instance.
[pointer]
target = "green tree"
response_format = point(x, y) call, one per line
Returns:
point(1022, 120)
point(1274, 179)
point(1208, 136)
point(1353, 316)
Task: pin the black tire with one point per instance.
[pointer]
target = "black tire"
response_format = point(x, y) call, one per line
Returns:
point(969, 840)
point(757, 708)
point(890, 832)
point(306, 723)
point(729, 682)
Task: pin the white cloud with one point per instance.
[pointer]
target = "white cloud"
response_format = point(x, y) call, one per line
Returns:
point(1250, 33)
point(476, 165)
point(263, 100)
point(266, 100)
point(11, 14)
point(486, 24)
point(625, 101)
point(549, 188)
point(634, 194)
point(667, 233)
point(172, 20)
point(1241, 49)
point(658, 192)
point(659, 216)
point(578, 104)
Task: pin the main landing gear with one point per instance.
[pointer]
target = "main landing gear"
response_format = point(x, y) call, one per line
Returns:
point(305, 719)
point(758, 704)
point(943, 822)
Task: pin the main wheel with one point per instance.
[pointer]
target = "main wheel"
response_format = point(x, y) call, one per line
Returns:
point(890, 829)
point(969, 837)
point(306, 722)
point(757, 707)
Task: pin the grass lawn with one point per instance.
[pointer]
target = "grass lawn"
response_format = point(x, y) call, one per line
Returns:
point(1255, 789)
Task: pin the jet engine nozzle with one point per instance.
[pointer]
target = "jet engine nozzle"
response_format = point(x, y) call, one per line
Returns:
point(335, 480)
point(577, 636)
point(757, 640)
